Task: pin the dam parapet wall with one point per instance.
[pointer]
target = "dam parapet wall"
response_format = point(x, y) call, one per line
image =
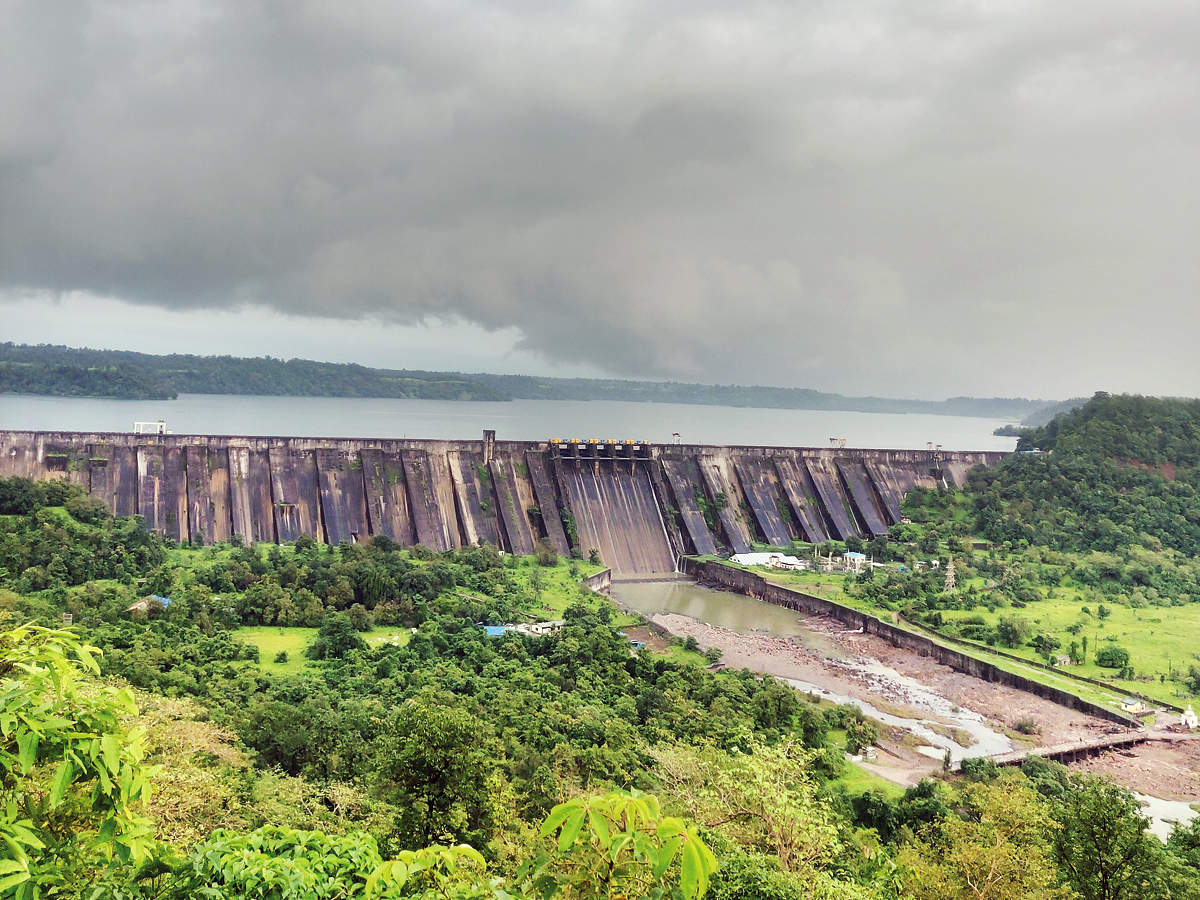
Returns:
point(639, 505)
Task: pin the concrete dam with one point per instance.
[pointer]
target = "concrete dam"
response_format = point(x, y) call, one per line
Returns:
point(639, 505)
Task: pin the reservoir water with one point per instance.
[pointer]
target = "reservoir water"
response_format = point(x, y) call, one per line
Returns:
point(514, 420)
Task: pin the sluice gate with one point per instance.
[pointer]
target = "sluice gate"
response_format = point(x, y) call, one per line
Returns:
point(639, 505)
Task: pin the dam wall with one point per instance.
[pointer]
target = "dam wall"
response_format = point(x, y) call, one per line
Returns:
point(640, 506)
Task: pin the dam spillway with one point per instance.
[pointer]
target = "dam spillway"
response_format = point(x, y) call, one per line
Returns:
point(638, 505)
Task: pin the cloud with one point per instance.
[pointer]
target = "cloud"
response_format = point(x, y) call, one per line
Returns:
point(862, 196)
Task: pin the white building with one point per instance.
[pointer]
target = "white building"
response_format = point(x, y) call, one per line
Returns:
point(1189, 720)
point(771, 560)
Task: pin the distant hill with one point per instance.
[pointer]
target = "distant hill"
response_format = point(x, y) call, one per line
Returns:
point(1046, 413)
point(67, 371)
point(1121, 470)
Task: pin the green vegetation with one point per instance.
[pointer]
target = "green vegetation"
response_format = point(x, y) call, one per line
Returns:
point(321, 722)
point(46, 369)
point(273, 640)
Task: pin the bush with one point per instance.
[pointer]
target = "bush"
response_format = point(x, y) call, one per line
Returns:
point(281, 656)
point(1113, 657)
point(1028, 725)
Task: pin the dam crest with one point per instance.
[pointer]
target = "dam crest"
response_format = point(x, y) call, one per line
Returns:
point(639, 505)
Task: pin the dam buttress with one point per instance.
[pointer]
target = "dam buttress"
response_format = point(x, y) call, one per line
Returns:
point(639, 505)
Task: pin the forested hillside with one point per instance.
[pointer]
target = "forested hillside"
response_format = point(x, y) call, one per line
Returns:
point(1118, 471)
point(171, 745)
point(46, 369)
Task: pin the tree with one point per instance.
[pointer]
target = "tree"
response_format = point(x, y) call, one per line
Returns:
point(336, 638)
point(765, 800)
point(1102, 845)
point(433, 763)
point(1012, 630)
point(860, 733)
point(620, 845)
point(73, 775)
point(996, 848)
point(1112, 657)
point(289, 864)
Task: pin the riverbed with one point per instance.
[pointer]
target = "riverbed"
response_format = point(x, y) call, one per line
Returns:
point(925, 708)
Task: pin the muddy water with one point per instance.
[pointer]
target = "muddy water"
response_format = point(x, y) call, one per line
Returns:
point(1164, 814)
point(738, 612)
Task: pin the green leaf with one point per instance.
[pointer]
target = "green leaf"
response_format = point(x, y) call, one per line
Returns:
point(557, 816)
point(16, 878)
point(666, 853)
point(63, 776)
point(599, 826)
point(27, 747)
point(695, 865)
point(111, 751)
point(570, 830)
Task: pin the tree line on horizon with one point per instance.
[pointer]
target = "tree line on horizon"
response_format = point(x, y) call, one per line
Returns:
point(67, 371)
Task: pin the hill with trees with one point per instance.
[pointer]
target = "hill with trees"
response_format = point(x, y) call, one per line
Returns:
point(1119, 470)
point(66, 371)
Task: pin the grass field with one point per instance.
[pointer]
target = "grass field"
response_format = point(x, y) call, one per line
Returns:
point(856, 780)
point(1160, 640)
point(270, 640)
point(824, 585)
point(560, 588)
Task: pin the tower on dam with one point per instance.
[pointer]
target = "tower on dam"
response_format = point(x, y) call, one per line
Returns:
point(639, 505)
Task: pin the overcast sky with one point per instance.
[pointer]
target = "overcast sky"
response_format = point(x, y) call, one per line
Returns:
point(900, 198)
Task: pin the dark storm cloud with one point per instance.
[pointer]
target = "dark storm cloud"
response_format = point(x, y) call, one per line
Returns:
point(865, 196)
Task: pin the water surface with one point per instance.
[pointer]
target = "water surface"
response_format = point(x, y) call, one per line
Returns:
point(527, 420)
point(737, 612)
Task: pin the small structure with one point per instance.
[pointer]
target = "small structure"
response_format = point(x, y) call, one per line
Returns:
point(147, 603)
point(771, 560)
point(1189, 719)
point(534, 629)
point(1134, 706)
point(1062, 660)
point(159, 427)
point(854, 562)
point(951, 578)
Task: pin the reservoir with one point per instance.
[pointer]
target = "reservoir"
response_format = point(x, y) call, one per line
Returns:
point(522, 420)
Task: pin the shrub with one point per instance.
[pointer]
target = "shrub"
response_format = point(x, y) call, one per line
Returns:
point(1028, 725)
point(1113, 657)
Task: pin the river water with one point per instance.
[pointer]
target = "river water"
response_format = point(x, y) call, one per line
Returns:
point(737, 612)
point(529, 420)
